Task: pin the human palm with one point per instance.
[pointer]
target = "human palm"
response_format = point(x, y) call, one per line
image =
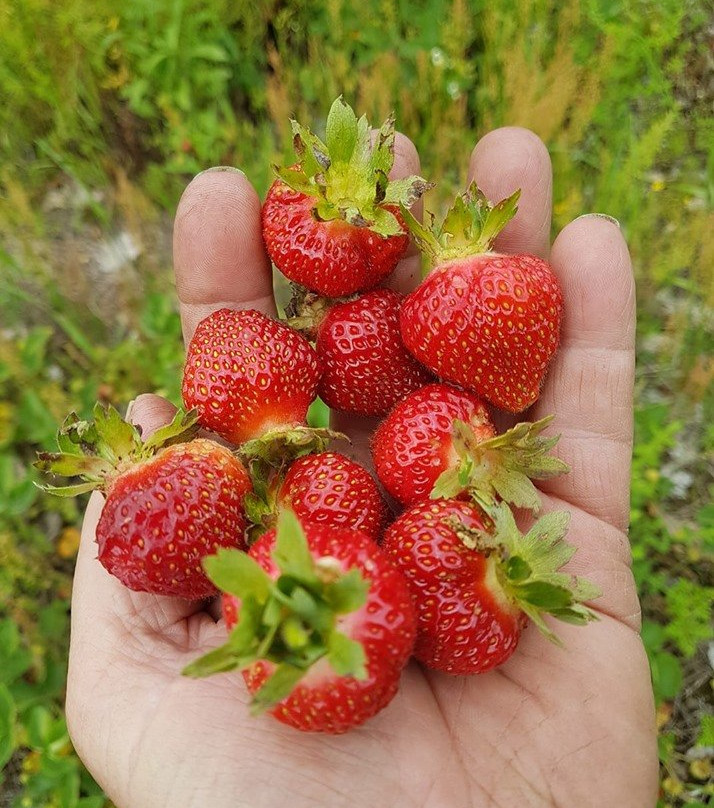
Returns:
point(553, 726)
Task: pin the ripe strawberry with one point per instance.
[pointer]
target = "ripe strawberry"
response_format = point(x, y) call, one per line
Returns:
point(330, 489)
point(487, 321)
point(321, 624)
point(169, 503)
point(441, 442)
point(331, 222)
point(476, 580)
point(366, 368)
point(247, 374)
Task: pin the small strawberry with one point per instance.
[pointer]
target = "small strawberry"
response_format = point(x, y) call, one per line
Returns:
point(331, 222)
point(330, 489)
point(170, 500)
point(247, 374)
point(476, 580)
point(487, 321)
point(441, 442)
point(321, 624)
point(366, 368)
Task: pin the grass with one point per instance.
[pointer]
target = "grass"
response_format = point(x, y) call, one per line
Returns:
point(110, 108)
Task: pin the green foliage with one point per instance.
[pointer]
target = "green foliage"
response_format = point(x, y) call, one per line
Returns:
point(689, 608)
point(33, 728)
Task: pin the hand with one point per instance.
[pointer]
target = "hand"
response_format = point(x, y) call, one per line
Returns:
point(552, 727)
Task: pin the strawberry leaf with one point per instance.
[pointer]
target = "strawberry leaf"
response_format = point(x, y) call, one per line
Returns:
point(297, 180)
point(341, 131)
point(346, 656)
point(116, 440)
point(545, 596)
point(406, 191)
point(385, 223)
point(382, 157)
point(348, 593)
point(310, 150)
point(68, 490)
point(235, 572)
point(241, 648)
point(449, 484)
point(276, 688)
point(219, 660)
point(183, 427)
point(73, 465)
point(292, 554)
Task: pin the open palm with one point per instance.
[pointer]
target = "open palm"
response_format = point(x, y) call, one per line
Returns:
point(552, 727)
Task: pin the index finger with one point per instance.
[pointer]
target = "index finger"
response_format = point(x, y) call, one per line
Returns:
point(219, 257)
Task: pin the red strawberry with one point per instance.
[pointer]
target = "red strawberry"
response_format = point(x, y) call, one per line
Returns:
point(475, 582)
point(489, 322)
point(332, 222)
point(330, 489)
point(168, 504)
point(322, 624)
point(247, 374)
point(441, 442)
point(366, 368)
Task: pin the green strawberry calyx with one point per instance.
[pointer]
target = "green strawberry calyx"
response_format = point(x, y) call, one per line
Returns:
point(291, 621)
point(470, 226)
point(278, 448)
point(348, 174)
point(267, 460)
point(306, 310)
point(527, 566)
point(501, 467)
point(102, 449)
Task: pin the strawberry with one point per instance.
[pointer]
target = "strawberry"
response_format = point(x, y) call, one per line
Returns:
point(247, 374)
point(366, 368)
point(476, 580)
point(331, 222)
point(487, 321)
point(321, 624)
point(170, 501)
point(330, 489)
point(441, 442)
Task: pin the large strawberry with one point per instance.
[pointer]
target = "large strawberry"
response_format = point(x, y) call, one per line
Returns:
point(321, 624)
point(441, 442)
point(366, 369)
point(170, 500)
point(488, 321)
point(331, 222)
point(247, 374)
point(476, 580)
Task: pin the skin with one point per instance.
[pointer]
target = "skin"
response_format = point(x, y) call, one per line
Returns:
point(551, 727)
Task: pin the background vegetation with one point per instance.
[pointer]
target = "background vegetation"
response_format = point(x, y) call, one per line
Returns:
point(109, 108)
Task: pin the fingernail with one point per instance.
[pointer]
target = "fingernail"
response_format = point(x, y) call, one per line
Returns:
point(219, 169)
point(610, 219)
point(129, 408)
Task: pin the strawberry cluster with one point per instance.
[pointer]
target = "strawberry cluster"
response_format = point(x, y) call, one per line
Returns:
point(326, 591)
